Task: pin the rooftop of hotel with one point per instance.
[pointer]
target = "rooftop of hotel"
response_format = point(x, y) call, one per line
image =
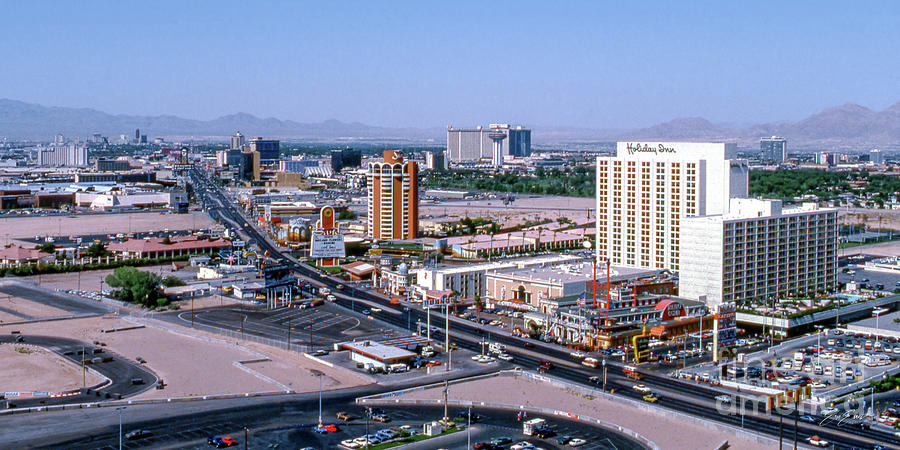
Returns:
point(574, 272)
point(520, 262)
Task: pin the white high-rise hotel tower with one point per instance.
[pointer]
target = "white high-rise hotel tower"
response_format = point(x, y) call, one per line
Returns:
point(684, 207)
point(645, 190)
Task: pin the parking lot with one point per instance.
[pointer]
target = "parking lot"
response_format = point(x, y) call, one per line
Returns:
point(320, 326)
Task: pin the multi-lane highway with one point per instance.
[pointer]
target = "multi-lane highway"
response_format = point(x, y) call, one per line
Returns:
point(694, 399)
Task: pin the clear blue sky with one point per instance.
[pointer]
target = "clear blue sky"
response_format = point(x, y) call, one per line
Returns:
point(429, 64)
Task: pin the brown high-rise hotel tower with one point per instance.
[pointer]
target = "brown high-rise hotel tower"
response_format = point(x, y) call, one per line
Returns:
point(393, 197)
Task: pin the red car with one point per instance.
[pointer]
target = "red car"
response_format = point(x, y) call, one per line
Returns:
point(433, 364)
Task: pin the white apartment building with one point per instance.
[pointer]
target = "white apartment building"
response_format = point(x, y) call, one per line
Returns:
point(758, 250)
point(647, 188)
point(58, 155)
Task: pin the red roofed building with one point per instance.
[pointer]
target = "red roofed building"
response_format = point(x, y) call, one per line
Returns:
point(15, 255)
point(155, 248)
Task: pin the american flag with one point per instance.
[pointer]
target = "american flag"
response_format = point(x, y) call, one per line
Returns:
point(581, 300)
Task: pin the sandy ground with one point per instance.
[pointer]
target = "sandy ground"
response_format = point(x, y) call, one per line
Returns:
point(89, 280)
point(875, 218)
point(39, 371)
point(667, 432)
point(21, 309)
point(521, 210)
point(28, 226)
point(191, 366)
point(207, 301)
point(885, 249)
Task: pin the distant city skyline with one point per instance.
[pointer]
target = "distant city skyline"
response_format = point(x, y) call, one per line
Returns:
point(598, 66)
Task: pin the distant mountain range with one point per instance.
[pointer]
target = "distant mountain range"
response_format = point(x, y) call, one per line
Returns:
point(845, 126)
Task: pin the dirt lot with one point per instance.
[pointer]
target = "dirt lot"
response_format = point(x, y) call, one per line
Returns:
point(195, 363)
point(524, 208)
point(32, 369)
point(89, 280)
point(28, 226)
point(666, 432)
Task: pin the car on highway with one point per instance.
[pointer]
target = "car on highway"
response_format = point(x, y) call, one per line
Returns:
point(830, 411)
point(643, 389)
point(221, 441)
point(576, 442)
point(319, 353)
point(505, 357)
point(650, 398)
point(809, 419)
point(590, 362)
point(138, 434)
point(484, 446)
point(723, 398)
point(578, 354)
point(366, 312)
point(817, 441)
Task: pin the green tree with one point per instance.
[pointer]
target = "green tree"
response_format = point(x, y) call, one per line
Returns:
point(47, 248)
point(166, 240)
point(346, 215)
point(172, 281)
point(134, 286)
point(96, 250)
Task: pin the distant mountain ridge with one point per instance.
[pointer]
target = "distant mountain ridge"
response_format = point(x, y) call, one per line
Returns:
point(845, 126)
point(30, 121)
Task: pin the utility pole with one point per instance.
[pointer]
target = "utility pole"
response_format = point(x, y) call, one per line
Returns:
point(604, 374)
point(446, 391)
point(796, 417)
point(289, 334)
point(320, 398)
point(246, 431)
point(469, 429)
point(192, 312)
point(447, 337)
point(83, 374)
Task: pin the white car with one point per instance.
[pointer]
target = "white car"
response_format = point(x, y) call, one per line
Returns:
point(578, 354)
point(350, 443)
point(830, 411)
point(723, 398)
point(495, 323)
point(577, 442)
point(818, 442)
point(524, 445)
point(505, 356)
point(643, 389)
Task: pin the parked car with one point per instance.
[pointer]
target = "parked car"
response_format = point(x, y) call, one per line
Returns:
point(138, 434)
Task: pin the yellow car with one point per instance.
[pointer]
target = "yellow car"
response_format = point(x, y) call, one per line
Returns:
point(651, 398)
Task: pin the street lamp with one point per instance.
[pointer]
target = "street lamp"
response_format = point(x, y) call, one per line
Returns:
point(119, 409)
point(320, 397)
point(818, 342)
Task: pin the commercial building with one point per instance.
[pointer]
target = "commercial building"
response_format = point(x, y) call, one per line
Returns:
point(296, 165)
point(237, 141)
point(58, 155)
point(111, 165)
point(435, 161)
point(375, 354)
point(647, 188)
point(475, 144)
point(759, 250)
point(774, 149)
point(131, 199)
point(470, 280)
point(393, 197)
point(159, 248)
point(876, 157)
point(269, 149)
point(536, 288)
point(344, 158)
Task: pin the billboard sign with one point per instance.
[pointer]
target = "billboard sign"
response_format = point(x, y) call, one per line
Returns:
point(327, 244)
point(438, 302)
point(724, 330)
